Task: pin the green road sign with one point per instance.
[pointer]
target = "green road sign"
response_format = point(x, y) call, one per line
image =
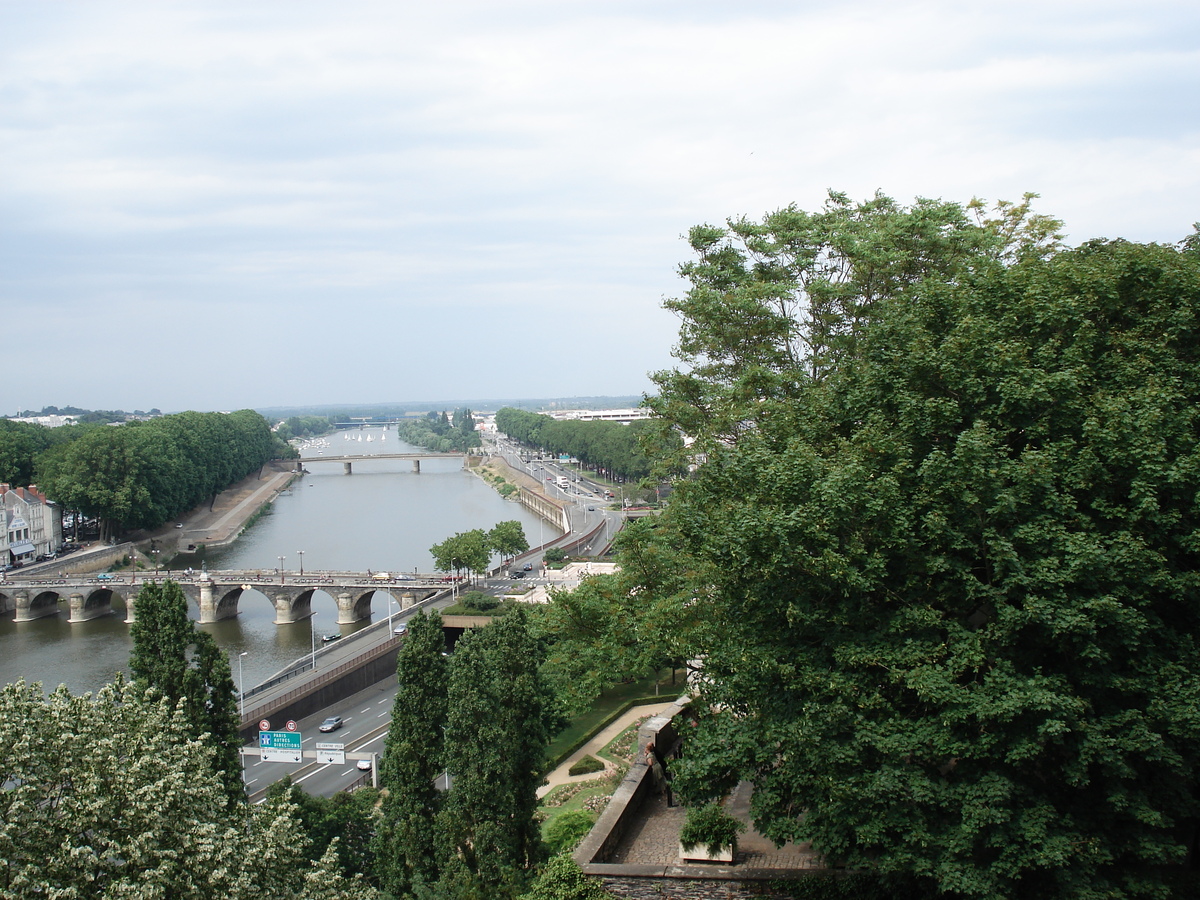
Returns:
point(279, 740)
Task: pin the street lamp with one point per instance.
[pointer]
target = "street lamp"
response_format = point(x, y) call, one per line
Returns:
point(301, 554)
point(241, 688)
point(281, 559)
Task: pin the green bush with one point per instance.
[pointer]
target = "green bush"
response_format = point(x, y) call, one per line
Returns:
point(555, 554)
point(562, 879)
point(586, 766)
point(711, 827)
point(478, 601)
point(564, 833)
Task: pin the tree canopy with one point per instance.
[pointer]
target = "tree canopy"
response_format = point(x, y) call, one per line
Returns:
point(185, 666)
point(140, 474)
point(110, 796)
point(939, 554)
point(610, 448)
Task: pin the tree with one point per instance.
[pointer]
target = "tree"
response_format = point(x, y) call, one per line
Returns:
point(507, 538)
point(465, 550)
point(404, 844)
point(343, 823)
point(778, 303)
point(186, 667)
point(110, 796)
point(500, 719)
point(948, 570)
point(597, 635)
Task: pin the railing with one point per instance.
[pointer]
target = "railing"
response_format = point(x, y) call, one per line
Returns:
point(305, 665)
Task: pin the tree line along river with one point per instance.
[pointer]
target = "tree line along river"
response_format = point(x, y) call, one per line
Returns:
point(384, 517)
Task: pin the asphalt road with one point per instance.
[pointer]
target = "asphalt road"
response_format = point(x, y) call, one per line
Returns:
point(366, 716)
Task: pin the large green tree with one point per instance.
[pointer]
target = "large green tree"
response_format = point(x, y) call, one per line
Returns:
point(507, 538)
point(185, 666)
point(501, 716)
point(404, 845)
point(944, 556)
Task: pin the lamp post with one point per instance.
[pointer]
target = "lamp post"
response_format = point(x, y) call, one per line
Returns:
point(241, 688)
point(300, 553)
point(281, 559)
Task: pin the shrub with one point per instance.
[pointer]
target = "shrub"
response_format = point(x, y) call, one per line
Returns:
point(478, 601)
point(568, 829)
point(562, 879)
point(555, 554)
point(586, 766)
point(710, 826)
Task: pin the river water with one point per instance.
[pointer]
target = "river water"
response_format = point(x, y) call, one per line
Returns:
point(384, 518)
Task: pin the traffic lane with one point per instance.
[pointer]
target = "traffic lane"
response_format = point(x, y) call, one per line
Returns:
point(362, 713)
point(327, 780)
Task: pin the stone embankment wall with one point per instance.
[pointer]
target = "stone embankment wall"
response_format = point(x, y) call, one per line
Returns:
point(96, 558)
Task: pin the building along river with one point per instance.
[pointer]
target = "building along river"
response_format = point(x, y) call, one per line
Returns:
point(384, 518)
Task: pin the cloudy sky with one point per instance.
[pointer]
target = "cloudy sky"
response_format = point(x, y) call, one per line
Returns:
point(215, 205)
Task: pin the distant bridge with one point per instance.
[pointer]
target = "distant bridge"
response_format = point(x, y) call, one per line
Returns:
point(349, 458)
point(218, 593)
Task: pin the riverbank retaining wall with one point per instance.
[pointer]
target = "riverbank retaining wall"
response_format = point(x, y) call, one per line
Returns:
point(93, 559)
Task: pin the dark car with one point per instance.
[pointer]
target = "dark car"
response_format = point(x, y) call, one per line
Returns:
point(333, 723)
point(528, 567)
point(516, 573)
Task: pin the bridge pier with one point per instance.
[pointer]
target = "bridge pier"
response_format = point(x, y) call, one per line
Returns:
point(346, 614)
point(416, 467)
point(346, 467)
point(80, 612)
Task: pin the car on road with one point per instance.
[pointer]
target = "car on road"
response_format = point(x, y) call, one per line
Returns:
point(326, 638)
point(333, 723)
point(364, 765)
point(400, 629)
point(516, 573)
point(591, 509)
point(528, 567)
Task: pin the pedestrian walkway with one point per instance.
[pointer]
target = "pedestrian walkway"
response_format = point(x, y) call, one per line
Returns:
point(597, 742)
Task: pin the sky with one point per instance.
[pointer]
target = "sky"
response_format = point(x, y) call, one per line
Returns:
point(220, 205)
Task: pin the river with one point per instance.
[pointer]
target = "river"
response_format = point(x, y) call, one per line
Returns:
point(384, 518)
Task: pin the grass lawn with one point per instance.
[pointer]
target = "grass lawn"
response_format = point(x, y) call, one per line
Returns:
point(609, 703)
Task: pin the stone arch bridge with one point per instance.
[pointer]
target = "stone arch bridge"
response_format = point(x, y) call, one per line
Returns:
point(218, 594)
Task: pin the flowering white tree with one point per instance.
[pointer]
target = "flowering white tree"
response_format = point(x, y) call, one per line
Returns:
point(107, 796)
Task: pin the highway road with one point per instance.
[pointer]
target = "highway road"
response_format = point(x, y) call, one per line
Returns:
point(366, 716)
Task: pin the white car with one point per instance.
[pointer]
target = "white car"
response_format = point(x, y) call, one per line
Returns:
point(364, 765)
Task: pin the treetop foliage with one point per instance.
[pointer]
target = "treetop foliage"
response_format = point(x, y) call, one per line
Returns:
point(939, 555)
point(608, 446)
point(127, 805)
point(140, 474)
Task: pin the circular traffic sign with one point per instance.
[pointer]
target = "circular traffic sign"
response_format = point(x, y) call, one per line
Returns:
point(291, 725)
point(264, 725)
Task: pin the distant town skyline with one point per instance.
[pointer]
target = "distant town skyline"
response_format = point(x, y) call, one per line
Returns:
point(219, 205)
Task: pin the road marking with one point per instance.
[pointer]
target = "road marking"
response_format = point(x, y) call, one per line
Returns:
point(251, 781)
point(367, 710)
point(384, 713)
point(378, 737)
point(310, 774)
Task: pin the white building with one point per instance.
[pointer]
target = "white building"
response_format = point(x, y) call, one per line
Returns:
point(33, 525)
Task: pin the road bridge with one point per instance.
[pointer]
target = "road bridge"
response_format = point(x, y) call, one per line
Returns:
point(348, 459)
point(218, 593)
